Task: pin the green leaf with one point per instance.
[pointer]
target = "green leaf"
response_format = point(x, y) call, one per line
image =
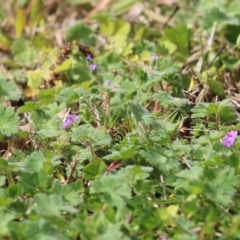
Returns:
point(232, 33)
point(165, 99)
point(51, 205)
point(233, 8)
point(2, 180)
point(96, 136)
point(35, 79)
point(28, 107)
point(35, 14)
point(67, 95)
point(140, 113)
point(19, 75)
point(5, 39)
point(112, 188)
point(82, 132)
point(80, 73)
point(167, 67)
point(41, 229)
point(2, 13)
point(131, 174)
point(226, 112)
point(20, 22)
point(223, 109)
point(124, 153)
point(24, 52)
point(167, 71)
point(205, 5)
point(5, 201)
point(213, 15)
point(44, 120)
point(128, 152)
point(32, 181)
point(180, 37)
point(220, 185)
point(191, 174)
point(80, 32)
point(34, 162)
point(106, 26)
point(121, 7)
point(69, 192)
point(99, 137)
point(64, 66)
point(8, 90)
point(122, 28)
point(96, 167)
point(49, 133)
point(73, 198)
point(158, 159)
point(47, 96)
point(113, 230)
point(200, 110)
point(216, 87)
point(8, 122)
point(6, 218)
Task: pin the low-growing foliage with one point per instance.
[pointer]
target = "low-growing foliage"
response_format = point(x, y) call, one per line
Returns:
point(119, 120)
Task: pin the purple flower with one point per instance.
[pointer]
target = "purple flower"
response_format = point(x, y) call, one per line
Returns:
point(88, 57)
point(93, 67)
point(95, 25)
point(154, 57)
point(229, 139)
point(70, 119)
point(107, 82)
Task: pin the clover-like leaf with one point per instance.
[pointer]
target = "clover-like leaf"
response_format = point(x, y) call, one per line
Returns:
point(8, 121)
point(113, 189)
point(51, 205)
point(113, 230)
point(80, 32)
point(5, 219)
point(32, 181)
point(220, 185)
point(8, 90)
point(24, 52)
point(34, 163)
point(95, 167)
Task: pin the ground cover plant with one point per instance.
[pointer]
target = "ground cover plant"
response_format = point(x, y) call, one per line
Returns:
point(119, 119)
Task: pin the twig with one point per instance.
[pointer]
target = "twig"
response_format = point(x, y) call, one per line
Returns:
point(187, 163)
point(99, 7)
point(206, 48)
point(72, 169)
point(66, 114)
point(170, 17)
point(217, 54)
point(163, 187)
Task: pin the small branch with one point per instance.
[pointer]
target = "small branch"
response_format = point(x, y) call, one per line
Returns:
point(170, 17)
point(91, 149)
point(99, 7)
point(72, 169)
point(187, 163)
point(5, 156)
point(217, 54)
point(163, 187)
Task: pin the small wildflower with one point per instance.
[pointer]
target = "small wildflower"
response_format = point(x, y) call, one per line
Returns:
point(229, 139)
point(154, 57)
point(95, 25)
point(107, 82)
point(70, 119)
point(88, 57)
point(93, 67)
